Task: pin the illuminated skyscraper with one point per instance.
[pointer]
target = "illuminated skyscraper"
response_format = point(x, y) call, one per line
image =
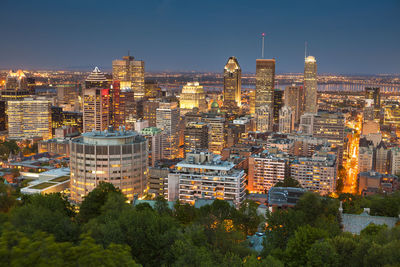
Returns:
point(192, 96)
point(97, 79)
point(252, 102)
point(167, 119)
point(265, 80)
point(278, 104)
point(16, 80)
point(96, 102)
point(294, 98)
point(310, 85)
point(373, 95)
point(16, 86)
point(122, 105)
point(96, 109)
point(130, 73)
point(28, 118)
point(232, 83)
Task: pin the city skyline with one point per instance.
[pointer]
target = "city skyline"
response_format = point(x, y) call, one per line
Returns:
point(174, 36)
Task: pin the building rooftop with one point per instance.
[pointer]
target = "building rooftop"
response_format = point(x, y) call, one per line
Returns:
point(355, 223)
point(205, 160)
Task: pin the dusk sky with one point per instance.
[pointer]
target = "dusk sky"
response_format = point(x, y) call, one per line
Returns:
point(346, 36)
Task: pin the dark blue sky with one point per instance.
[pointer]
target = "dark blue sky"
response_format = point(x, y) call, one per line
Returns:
point(346, 36)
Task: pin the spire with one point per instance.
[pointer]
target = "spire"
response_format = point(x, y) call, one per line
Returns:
point(305, 49)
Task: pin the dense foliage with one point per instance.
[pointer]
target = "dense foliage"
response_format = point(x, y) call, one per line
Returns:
point(45, 230)
point(310, 234)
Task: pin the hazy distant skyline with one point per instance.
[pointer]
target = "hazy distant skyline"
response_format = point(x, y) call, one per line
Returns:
point(346, 37)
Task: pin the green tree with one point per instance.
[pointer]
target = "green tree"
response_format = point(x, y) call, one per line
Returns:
point(91, 205)
point(41, 249)
point(301, 242)
point(288, 181)
point(161, 205)
point(50, 213)
point(184, 212)
point(247, 218)
point(7, 198)
point(322, 254)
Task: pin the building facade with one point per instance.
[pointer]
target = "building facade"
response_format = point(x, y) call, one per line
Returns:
point(232, 83)
point(286, 120)
point(130, 73)
point(294, 98)
point(29, 118)
point(204, 175)
point(192, 96)
point(167, 119)
point(310, 85)
point(265, 82)
point(117, 157)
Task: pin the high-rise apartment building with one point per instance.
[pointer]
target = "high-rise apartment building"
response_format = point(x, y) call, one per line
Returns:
point(196, 136)
point(265, 170)
point(265, 82)
point(130, 73)
point(192, 96)
point(294, 98)
point(317, 173)
point(167, 119)
point(310, 85)
point(29, 117)
point(232, 83)
point(204, 175)
point(117, 157)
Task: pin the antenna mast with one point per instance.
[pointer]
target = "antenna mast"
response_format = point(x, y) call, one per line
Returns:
point(262, 48)
point(305, 50)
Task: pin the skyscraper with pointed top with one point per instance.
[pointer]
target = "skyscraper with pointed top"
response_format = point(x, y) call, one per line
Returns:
point(96, 102)
point(232, 83)
point(310, 85)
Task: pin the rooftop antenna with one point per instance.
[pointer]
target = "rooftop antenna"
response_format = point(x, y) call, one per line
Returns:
point(262, 48)
point(129, 53)
point(305, 49)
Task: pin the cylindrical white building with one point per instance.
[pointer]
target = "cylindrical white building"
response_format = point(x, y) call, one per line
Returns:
point(117, 157)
